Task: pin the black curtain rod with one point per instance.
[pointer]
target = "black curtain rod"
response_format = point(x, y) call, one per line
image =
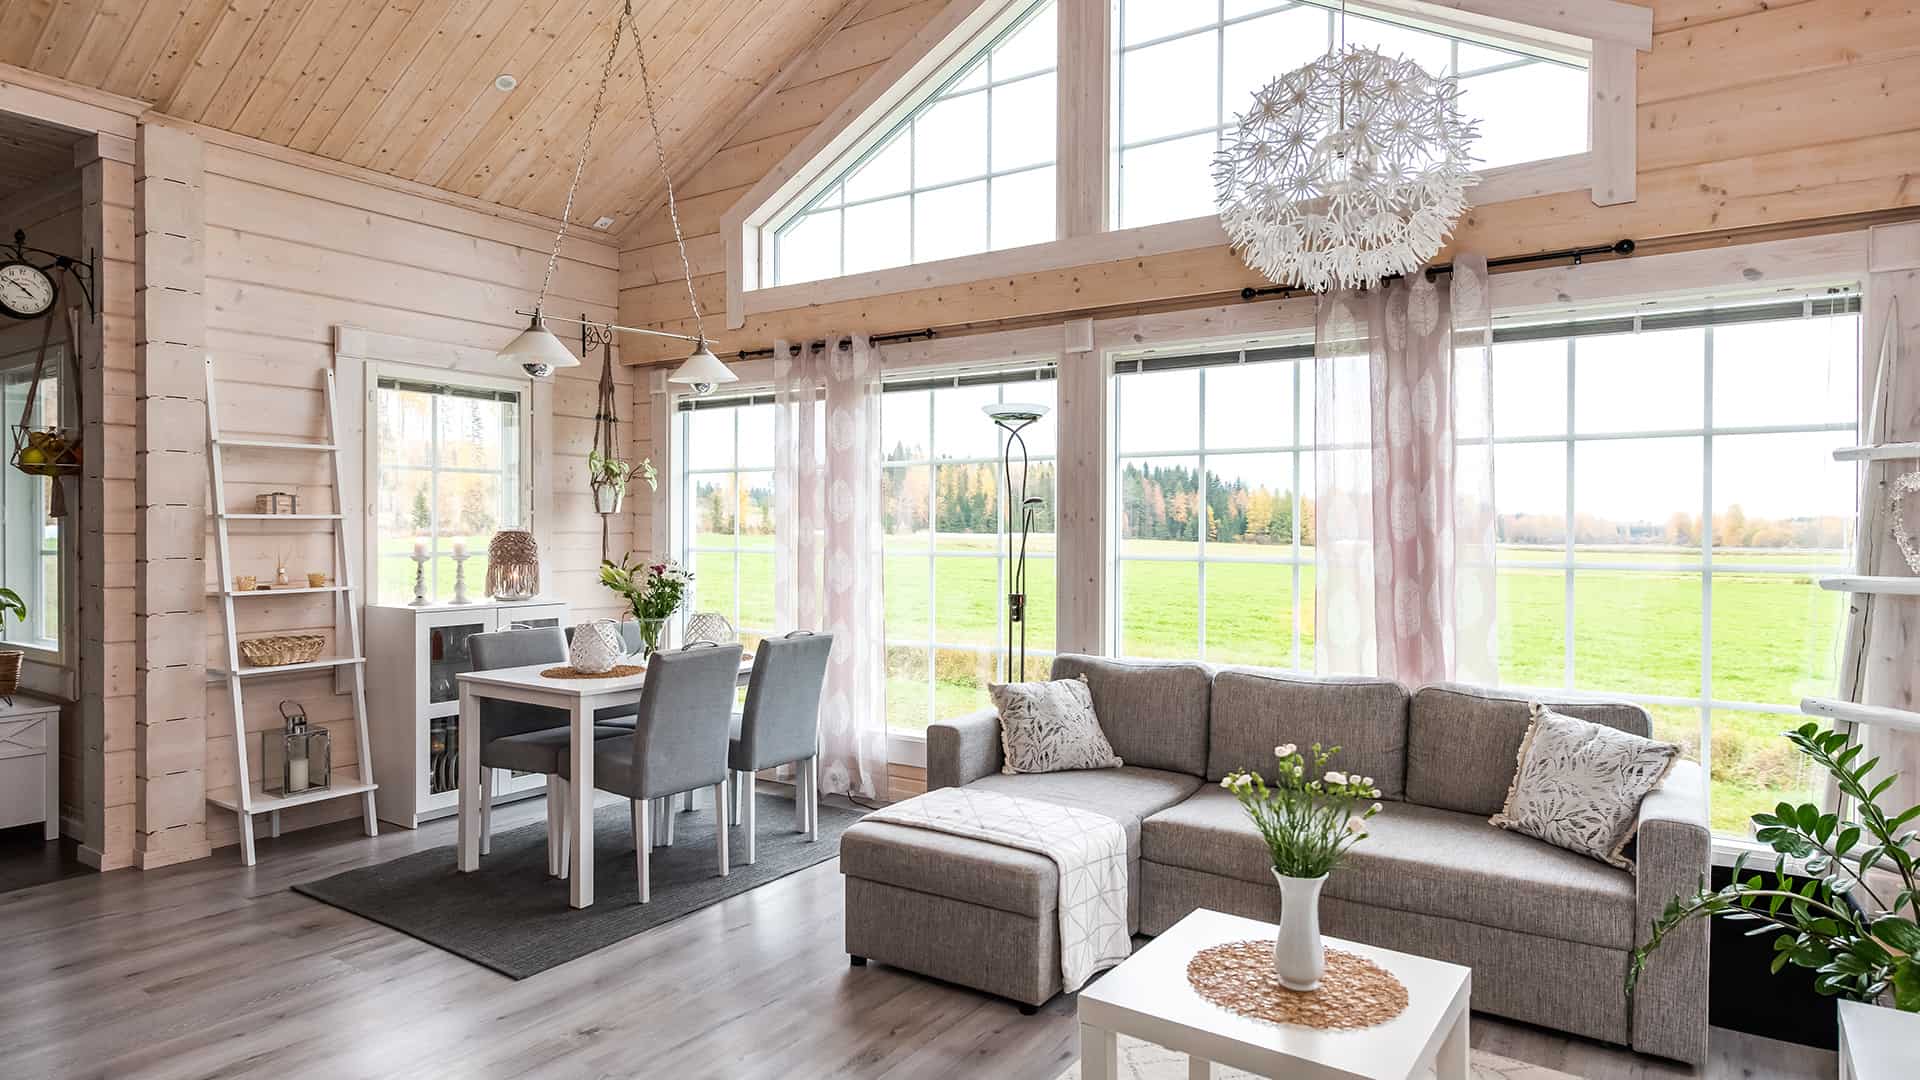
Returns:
point(1618, 247)
point(877, 339)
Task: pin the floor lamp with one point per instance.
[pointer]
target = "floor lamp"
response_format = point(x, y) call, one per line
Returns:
point(1013, 419)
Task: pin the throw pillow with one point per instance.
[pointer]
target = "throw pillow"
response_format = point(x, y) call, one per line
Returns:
point(1579, 784)
point(1050, 727)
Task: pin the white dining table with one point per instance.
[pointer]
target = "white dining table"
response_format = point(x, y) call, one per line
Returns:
point(580, 699)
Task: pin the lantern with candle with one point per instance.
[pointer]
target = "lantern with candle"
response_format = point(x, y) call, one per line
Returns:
point(296, 758)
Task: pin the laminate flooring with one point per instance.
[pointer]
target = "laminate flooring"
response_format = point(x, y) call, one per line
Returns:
point(212, 969)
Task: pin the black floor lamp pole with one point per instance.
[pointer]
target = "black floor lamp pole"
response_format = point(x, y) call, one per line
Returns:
point(1014, 419)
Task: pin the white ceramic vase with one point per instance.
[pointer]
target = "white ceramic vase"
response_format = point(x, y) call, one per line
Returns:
point(597, 646)
point(1298, 957)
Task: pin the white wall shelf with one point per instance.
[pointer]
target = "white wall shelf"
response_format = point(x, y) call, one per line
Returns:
point(1898, 451)
point(1852, 713)
point(1880, 586)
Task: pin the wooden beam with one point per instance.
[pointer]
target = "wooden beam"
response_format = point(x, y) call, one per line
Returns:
point(1612, 122)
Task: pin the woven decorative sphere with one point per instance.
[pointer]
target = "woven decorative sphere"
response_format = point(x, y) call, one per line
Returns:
point(513, 565)
point(1344, 172)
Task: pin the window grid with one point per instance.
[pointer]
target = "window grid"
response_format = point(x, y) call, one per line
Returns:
point(833, 201)
point(689, 484)
point(388, 473)
point(1223, 117)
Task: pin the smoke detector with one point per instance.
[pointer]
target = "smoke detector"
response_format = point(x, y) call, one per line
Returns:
point(504, 83)
point(603, 223)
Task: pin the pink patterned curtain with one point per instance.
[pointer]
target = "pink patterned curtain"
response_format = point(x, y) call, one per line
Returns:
point(827, 562)
point(1404, 530)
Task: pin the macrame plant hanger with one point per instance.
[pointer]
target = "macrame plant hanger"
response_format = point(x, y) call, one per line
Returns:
point(607, 490)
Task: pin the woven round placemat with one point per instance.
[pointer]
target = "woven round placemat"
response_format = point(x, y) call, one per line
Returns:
point(620, 671)
point(1354, 992)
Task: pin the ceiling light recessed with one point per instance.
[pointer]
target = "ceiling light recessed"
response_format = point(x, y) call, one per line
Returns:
point(603, 223)
point(504, 83)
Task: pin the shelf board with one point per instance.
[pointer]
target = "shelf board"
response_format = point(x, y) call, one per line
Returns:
point(1854, 713)
point(1885, 586)
point(280, 517)
point(249, 671)
point(1897, 451)
point(288, 590)
point(276, 444)
point(264, 803)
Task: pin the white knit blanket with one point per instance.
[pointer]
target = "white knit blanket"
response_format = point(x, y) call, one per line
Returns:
point(1089, 850)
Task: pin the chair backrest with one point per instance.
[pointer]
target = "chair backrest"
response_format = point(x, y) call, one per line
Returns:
point(781, 722)
point(686, 705)
point(517, 648)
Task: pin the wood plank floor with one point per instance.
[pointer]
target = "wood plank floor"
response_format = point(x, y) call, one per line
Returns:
point(212, 969)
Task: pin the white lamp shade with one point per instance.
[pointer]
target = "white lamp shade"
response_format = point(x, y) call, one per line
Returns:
point(537, 345)
point(702, 368)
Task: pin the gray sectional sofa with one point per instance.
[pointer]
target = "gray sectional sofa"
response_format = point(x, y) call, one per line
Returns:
point(1546, 931)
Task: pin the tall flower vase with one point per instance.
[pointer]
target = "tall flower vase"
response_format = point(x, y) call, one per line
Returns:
point(652, 631)
point(1298, 957)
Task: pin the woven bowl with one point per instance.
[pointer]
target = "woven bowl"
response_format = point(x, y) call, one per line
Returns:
point(282, 649)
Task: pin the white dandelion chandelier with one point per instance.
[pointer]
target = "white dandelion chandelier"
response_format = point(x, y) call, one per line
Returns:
point(1345, 172)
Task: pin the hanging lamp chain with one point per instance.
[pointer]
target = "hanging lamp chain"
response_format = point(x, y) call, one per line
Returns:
point(673, 206)
point(586, 145)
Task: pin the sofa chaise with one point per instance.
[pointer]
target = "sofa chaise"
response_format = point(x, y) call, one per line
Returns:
point(1546, 931)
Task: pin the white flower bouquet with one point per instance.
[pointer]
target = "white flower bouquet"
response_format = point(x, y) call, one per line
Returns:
point(1308, 824)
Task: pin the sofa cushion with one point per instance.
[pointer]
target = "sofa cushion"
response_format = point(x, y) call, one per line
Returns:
point(1154, 714)
point(1463, 742)
point(1256, 710)
point(1050, 727)
point(1128, 795)
point(1423, 860)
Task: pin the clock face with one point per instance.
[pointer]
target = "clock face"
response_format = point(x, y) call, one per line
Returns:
point(26, 292)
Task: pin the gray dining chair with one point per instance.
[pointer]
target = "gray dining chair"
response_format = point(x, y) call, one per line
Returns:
point(526, 738)
point(679, 744)
point(780, 725)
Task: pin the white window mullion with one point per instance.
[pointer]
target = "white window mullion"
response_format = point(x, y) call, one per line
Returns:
point(1706, 567)
point(1567, 611)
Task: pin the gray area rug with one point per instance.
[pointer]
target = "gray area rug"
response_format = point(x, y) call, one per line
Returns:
point(511, 917)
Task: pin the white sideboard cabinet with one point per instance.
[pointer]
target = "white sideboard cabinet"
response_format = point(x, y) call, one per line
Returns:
point(413, 653)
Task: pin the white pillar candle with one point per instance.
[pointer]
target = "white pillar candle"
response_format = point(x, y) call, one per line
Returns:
point(459, 547)
point(297, 774)
point(419, 548)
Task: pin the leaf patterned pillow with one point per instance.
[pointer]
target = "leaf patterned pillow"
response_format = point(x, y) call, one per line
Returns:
point(1050, 727)
point(1579, 784)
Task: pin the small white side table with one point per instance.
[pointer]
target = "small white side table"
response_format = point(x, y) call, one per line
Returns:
point(30, 763)
point(1148, 997)
point(1878, 1043)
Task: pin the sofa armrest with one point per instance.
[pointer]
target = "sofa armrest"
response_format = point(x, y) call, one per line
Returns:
point(1673, 857)
point(963, 750)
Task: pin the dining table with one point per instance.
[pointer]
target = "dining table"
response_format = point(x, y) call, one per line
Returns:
point(580, 698)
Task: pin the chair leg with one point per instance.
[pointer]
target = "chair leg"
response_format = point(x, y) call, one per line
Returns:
point(642, 849)
point(749, 816)
point(720, 827)
point(812, 765)
point(553, 827)
point(666, 820)
point(799, 796)
point(687, 802)
point(740, 780)
point(486, 811)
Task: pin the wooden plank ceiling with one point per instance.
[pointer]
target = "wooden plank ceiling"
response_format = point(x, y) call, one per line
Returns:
point(407, 88)
point(29, 153)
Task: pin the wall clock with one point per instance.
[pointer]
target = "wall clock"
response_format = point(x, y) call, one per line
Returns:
point(26, 292)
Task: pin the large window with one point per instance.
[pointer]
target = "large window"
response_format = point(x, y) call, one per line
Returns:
point(968, 170)
point(1215, 547)
point(29, 534)
point(1667, 494)
point(1186, 70)
point(448, 475)
point(942, 494)
point(726, 487)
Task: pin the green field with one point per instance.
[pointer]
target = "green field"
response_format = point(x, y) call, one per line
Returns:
point(1634, 631)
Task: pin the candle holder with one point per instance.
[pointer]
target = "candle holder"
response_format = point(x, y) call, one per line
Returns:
point(420, 579)
point(296, 758)
point(460, 578)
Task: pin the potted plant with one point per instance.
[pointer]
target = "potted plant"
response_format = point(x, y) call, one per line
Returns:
point(654, 591)
point(609, 476)
point(11, 659)
point(1854, 930)
point(1308, 824)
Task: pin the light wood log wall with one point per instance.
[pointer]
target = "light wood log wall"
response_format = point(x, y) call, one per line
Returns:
point(1750, 113)
point(291, 252)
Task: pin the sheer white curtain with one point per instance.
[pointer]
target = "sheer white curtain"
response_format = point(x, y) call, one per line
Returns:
point(827, 530)
point(1404, 527)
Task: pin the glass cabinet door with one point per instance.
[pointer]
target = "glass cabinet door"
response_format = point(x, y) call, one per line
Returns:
point(449, 652)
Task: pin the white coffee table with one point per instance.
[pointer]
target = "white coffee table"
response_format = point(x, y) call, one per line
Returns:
point(1148, 997)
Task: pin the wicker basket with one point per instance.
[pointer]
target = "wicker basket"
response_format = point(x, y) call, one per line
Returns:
point(282, 649)
point(10, 660)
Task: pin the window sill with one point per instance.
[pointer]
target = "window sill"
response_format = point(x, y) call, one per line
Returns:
point(908, 748)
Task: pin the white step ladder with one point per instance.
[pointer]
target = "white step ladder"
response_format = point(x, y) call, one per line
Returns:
point(249, 798)
point(1864, 584)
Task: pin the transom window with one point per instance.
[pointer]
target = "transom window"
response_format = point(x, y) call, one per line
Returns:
point(726, 487)
point(448, 464)
point(968, 170)
point(1186, 70)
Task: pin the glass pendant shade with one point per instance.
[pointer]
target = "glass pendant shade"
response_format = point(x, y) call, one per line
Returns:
point(702, 369)
point(537, 347)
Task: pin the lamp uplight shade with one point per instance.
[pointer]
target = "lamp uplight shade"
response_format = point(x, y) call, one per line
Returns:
point(702, 369)
point(537, 347)
point(513, 565)
point(1013, 412)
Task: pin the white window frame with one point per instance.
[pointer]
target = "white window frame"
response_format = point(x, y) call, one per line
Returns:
point(528, 463)
point(47, 650)
point(684, 476)
point(1608, 31)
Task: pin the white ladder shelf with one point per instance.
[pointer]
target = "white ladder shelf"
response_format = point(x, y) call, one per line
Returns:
point(249, 797)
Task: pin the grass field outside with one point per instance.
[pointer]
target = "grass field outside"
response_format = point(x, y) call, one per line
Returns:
point(1636, 632)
